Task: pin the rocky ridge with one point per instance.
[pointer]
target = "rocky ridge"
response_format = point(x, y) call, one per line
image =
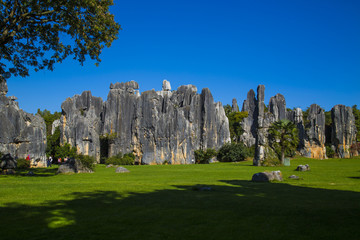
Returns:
point(156, 126)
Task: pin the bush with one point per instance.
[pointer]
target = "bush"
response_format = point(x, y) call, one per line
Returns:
point(233, 152)
point(330, 152)
point(119, 159)
point(203, 157)
point(87, 161)
point(65, 151)
point(23, 163)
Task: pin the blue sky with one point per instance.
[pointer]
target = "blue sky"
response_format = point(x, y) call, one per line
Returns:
point(307, 50)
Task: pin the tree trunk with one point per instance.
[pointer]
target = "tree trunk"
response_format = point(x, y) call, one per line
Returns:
point(282, 157)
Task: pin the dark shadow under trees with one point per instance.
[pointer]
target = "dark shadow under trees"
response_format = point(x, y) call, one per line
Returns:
point(237, 210)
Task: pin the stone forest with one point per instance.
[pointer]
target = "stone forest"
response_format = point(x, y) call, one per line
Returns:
point(169, 125)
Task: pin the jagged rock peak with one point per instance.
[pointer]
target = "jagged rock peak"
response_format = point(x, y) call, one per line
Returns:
point(277, 106)
point(125, 85)
point(250, 103)
point(234, 106)
point(166, 85)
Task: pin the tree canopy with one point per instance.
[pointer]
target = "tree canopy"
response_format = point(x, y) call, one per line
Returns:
point(39, 34)
point(283, 137)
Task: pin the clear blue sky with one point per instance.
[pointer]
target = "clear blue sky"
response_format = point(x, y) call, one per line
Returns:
point(307, 50)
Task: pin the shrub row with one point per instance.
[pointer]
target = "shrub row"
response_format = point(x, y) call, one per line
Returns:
point(230, 152)
point(119, 159)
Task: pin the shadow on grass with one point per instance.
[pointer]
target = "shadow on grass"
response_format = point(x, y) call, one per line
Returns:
point(38, 172)
point(355, 178)
point(237, 210)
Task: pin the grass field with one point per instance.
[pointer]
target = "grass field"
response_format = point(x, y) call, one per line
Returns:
point(163, 202)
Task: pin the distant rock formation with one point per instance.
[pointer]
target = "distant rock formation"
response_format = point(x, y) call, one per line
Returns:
point(21, 133)
point(343, 133)
point(311, 130)
point(234, 106)
point(156, 126)
point(311, 136)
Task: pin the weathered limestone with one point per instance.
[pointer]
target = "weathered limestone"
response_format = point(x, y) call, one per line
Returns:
point(155, 126)
point(166, 89)
point(248, 123)
point(343, 133)
point(234, 106)
point(261, 131)
point(21, 133)
point(277, 106)
point(80, 123)
point(311, 136)
point(314, 139)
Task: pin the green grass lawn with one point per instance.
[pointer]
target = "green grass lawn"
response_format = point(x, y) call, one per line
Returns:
point(163, 202)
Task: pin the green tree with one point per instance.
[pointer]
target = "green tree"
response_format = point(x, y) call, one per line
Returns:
point(53, 141)
point(235, 119)
point(227, 109)
point(356, 113)
point(65, 151)
point(41, 33)
point(49, 118)
point(283, 136)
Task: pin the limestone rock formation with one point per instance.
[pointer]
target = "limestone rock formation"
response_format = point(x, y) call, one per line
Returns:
point(263, 121)
point(314, 139)
point(155, 126)
point(21, 133)
point(248, 124)
point(80, 123)
point(277, 106)
point(234, 106)
point(343, 133)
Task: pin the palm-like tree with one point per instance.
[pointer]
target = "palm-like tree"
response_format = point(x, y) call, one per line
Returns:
point(283, 136)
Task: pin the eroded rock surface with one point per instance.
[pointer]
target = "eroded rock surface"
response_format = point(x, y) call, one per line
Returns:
point(343, 133)
point(155, 126)
point(314, 139)
point(21, 133)
point(80, 123)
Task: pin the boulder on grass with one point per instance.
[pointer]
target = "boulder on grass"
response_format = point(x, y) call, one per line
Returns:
point(121, 170)
point(303, 168)
point(267, 176)
point(73, 166)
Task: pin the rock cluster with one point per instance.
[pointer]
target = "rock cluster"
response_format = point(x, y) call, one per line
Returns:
point(155, 126)
point(311, 128)
point(21, 133)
